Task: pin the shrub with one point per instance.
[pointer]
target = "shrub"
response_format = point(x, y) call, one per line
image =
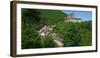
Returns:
point(30, 37)
point(47, 42)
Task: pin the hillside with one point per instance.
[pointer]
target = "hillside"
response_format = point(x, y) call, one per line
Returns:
point(52, 16)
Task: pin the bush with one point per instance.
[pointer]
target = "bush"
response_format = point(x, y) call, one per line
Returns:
point(30, 37)
point(47, 42)
point(72, 36)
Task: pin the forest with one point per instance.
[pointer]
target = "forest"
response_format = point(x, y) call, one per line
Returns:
point(70, 34)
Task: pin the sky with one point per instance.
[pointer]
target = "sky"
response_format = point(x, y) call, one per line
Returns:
point(84, 15)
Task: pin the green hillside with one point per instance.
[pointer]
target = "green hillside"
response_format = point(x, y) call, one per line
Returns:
point(52, 16)
point(42, 17)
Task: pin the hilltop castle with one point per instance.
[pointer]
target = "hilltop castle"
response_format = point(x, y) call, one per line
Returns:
point(71, 18)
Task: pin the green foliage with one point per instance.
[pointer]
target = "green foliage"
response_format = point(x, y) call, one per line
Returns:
point(47, 42)
point(75, 34)
point(31, 24)
point(86, 37)
point(72, 37)
point(30, 16)
point(52, 16)
point(87, 25)
point(30, 37)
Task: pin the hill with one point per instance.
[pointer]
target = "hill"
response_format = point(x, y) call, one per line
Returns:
point(52, 16)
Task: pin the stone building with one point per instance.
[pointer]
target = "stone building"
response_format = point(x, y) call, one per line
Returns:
point(71, 18)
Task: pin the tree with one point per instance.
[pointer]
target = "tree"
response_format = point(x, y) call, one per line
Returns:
point(30, 21)
point(72, 36)
point(30, 37)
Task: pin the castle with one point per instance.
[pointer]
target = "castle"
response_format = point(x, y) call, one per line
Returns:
point(71, 18)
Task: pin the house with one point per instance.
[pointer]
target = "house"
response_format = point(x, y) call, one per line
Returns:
point(72, 18)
